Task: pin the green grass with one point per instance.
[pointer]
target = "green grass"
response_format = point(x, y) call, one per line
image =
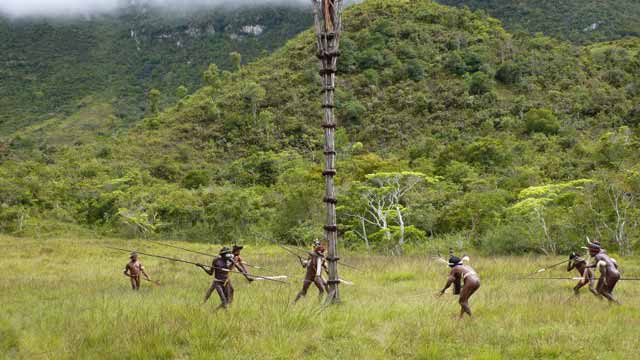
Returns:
point(68, 299)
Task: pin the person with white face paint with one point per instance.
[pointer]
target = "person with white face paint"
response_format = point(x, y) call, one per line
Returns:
point(314, 265)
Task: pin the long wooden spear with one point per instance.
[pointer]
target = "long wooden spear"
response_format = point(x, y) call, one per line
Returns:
point(198, 264)
point(198, 252)
point(302, 251)
point(571, 278)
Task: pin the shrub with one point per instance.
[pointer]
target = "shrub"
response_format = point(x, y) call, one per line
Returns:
point(541, 121)
point(195, 179)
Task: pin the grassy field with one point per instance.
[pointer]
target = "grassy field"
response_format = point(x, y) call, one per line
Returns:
point(68, 299)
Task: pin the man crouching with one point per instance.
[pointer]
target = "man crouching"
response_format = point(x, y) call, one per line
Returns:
point(471, 283)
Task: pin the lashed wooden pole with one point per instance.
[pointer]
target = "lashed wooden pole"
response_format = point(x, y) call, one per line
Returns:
point(328, 24)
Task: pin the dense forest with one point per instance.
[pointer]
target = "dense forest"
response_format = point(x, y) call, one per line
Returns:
point(51, 67)
point(453, 132)
point(579, 21)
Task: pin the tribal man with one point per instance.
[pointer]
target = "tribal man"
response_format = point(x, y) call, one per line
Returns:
point(133, 269)
point(220, 269)
point(314, 265)
point(239, 262)
point(580, 264)
point(609, 274)
point(469, 278)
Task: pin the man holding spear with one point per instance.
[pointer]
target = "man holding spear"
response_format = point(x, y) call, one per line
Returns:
point(220, 269)
point(580, 264)
point(314, 265)
point(133, 269)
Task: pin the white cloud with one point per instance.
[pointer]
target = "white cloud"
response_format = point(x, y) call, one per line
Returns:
point(23, 8)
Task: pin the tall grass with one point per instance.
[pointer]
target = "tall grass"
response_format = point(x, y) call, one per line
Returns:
point(68, 299)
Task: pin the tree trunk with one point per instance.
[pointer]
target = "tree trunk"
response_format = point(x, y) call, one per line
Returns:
point(401, 223)
point(364, 234)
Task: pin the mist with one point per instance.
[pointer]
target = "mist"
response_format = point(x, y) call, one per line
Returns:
point(86, 8)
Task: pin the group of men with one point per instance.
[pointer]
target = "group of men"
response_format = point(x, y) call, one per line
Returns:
point(607, 266)
point(228, 261)
point(463, 277)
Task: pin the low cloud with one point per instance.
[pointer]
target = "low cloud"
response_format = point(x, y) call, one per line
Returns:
point(71, 8)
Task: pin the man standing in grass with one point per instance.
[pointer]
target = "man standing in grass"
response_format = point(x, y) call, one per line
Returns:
point(609, 274)
point(471, 282)
point(133, 270)
point(239, 262)
point(220, 269)
point(314, 265)
point(580, 264)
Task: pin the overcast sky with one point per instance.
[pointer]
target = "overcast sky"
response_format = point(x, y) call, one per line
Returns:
point(22, 8)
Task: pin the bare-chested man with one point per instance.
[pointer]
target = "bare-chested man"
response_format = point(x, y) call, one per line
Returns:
point(133, 269)
point(608, 268)
point(220, 269)
point(239, 262)
point(314, 265)
point(471, 282)
point(580, 264)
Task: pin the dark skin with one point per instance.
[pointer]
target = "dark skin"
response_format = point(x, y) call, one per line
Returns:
point(314, 265)
point(471, 283)
point(239, 264)
point(133, 269)
point(580, 265)
point(221, 282)
point(609, 274)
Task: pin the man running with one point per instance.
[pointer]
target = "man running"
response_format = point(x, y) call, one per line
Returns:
point(580, 264)
point(220, 269)
point(471, 283)
point(133, 269)
point(314, 265)
point(609, 274)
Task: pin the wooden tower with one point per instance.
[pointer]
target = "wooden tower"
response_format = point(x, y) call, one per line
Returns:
point(328, 25)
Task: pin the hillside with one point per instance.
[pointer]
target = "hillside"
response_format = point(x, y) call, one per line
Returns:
point(579, 21)
point(512, 143)
point(53, 67)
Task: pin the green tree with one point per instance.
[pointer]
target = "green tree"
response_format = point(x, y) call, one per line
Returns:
point(154, 100)
point(236, 60)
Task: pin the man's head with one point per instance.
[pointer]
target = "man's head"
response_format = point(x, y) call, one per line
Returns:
point(226, 253)
point(319, 248)
point(316, 243)
point(454, 261)
point(236, 249)
point(594, 248)
point(133, 256)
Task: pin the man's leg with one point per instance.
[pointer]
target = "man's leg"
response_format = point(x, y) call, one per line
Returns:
point(580, 285)
point(468, 289)
point(135, 282)
point(220, 289)
point(612, 280)
point(303, 292)
point(229, 292)
point(321, 285)
point(210, 291)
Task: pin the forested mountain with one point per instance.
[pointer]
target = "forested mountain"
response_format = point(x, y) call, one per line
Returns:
point(53, 67)
point(580, 21)
point(509, 143)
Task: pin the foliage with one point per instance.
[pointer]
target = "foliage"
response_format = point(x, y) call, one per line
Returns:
point(580, 21)
point(242, 157)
